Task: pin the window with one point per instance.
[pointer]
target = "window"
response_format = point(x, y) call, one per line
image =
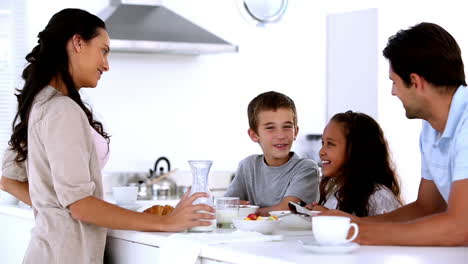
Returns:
point(12, 52)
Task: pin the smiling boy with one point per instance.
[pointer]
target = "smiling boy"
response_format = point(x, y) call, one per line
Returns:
point(278, 176)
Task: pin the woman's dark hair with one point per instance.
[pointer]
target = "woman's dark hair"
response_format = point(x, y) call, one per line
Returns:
point(429, 51)
point(47, 60)
point(368, 165)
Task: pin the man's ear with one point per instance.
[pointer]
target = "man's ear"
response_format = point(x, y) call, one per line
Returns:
point(77, 43)
point(253, 135)
point(417, 82)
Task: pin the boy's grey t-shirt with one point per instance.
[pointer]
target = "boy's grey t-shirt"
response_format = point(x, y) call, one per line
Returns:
point(266, 186)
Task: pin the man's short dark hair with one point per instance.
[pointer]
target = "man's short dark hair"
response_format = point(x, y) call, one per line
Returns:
point(429, 51)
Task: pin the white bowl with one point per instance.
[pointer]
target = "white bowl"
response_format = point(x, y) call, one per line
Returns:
point(6, 198)
point(261, 226)
point(245, 210)
point(279, 213)
point(125, 195)
point(293, 221)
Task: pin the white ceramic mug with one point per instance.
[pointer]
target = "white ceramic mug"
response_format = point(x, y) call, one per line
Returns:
point(333, 230)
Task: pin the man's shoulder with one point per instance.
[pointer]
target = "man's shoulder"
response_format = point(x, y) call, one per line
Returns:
point(428, 133)
point(459, 113)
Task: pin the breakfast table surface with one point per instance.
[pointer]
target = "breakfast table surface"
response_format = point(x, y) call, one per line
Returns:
point(287, 250)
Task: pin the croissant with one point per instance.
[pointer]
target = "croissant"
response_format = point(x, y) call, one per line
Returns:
point(168, 209)
point(159, 210)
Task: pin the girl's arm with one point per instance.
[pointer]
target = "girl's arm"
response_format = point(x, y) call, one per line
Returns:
point(316, 207)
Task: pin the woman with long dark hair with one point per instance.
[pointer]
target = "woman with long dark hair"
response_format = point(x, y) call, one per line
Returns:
point(57, 149)
point(358, 176)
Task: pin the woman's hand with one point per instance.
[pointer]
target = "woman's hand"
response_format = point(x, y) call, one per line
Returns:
point(316, 207)
point(187, 215)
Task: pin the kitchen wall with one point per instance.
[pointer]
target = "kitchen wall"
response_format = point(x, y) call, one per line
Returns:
point(194, 107)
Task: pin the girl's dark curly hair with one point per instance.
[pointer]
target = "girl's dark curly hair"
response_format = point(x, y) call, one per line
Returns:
point(368, 165)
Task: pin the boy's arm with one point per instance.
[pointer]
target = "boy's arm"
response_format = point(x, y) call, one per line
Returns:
point(281, 206)
point(304, 183)
point(303, 186)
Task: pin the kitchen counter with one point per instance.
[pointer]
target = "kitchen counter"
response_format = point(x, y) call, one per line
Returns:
point(285, 251)
point(290, 251)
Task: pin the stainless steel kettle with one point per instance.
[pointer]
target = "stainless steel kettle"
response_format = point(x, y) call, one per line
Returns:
point(163, 187)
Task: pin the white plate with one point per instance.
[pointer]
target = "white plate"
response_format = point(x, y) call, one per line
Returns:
point(293, 221)
point(133, 207)
point(313, 246)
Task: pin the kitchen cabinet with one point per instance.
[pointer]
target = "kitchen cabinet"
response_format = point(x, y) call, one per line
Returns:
point(125, 246)
point(120, 251)
point(357, 79)
point(352, 59)
point(15, 232)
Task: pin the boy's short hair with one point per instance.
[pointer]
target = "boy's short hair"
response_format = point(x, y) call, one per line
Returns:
point(268, 101)
point(429, 51)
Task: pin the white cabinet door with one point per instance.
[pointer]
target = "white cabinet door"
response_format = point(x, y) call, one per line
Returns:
point(15, 233)
point(119, 251)
point(352, 59)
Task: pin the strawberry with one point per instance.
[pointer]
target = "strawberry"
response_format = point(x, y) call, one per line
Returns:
point(252, 216)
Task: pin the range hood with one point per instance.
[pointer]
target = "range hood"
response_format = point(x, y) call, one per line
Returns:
point(150, 27)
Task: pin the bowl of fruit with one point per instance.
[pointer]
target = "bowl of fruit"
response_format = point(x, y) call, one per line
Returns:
point(254, 222)
point(245, 210)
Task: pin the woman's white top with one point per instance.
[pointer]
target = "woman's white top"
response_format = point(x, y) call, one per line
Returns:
point(63, 166)
point(102, 148)
point(381, 201)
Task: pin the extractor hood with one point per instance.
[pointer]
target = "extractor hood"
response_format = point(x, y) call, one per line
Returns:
point(149, 26)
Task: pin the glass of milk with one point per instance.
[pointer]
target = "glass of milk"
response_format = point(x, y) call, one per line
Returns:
point(227, 208)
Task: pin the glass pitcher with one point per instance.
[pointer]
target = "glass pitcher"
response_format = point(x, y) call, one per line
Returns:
point(200, 170)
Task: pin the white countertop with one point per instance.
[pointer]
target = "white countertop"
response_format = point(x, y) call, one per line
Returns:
point(289, 250)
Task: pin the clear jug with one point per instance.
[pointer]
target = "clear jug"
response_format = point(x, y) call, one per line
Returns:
point(200, 170)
